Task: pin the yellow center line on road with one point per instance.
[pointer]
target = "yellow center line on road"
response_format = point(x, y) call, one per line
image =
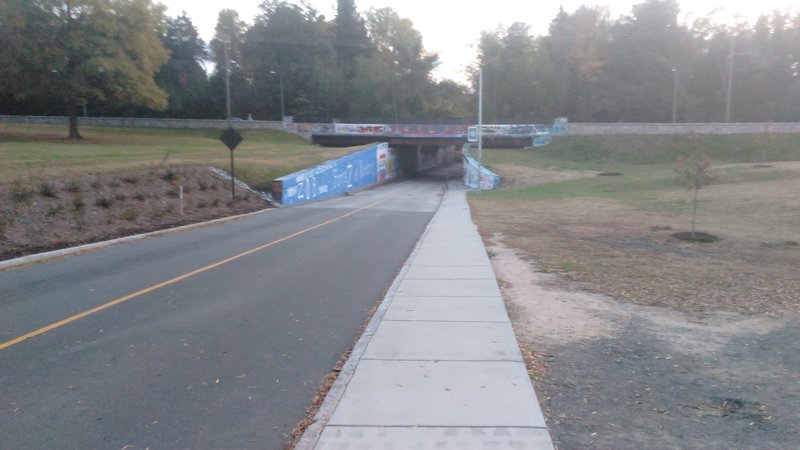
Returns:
point(155, 287)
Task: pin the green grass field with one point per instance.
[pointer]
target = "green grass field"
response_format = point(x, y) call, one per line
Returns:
point(615, 232)
point(41, 152)
point(609, 152)
point(646, 163)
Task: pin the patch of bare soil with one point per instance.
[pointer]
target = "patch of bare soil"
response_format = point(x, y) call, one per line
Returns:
point(697, 236)
point(612, 374)
point(46, 214)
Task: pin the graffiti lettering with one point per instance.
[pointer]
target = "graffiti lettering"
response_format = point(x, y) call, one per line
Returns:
point(336, 177)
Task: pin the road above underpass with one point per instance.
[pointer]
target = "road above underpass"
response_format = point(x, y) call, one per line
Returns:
point(215, 337)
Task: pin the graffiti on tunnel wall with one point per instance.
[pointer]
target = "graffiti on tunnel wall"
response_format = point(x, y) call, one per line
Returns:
point(477, 176)
point(335, 177)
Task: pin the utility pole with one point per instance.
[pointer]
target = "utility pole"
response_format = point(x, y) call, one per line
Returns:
point(675, 96)
point(227, 83)
point(480, 117)
point(283, 103)
point(228, 108)
point(729, 87)
point(280, 80)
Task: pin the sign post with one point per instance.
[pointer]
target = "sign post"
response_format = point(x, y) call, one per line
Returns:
point(231, 138)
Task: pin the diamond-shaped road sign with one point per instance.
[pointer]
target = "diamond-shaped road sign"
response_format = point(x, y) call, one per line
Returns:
point(231, 138)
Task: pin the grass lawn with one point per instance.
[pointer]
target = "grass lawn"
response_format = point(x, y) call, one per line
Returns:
point(41, 152)
point(614, 232)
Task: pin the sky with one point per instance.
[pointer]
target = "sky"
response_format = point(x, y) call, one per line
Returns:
point(452, 28)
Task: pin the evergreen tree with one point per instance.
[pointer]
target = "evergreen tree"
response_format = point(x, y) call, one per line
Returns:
point(228, 41)
point(184, 77)
point(351, 37)
point(292, 46)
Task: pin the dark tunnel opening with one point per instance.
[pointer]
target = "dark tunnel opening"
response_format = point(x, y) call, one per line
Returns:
point(425, 161)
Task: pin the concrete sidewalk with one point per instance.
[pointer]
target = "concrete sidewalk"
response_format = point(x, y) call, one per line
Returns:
point(438, 366)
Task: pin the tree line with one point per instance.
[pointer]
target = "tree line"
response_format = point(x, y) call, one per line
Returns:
point(127, 58)
point(643, 67)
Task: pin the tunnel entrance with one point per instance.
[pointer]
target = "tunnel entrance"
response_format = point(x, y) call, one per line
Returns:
point(415, 161)
point(406, 160)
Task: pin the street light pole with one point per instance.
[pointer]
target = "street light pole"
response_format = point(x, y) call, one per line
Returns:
point(675, 96)
point(280, 80)
point(729, 87)
point(228, 111)
point(480, 117)
point(227, 84)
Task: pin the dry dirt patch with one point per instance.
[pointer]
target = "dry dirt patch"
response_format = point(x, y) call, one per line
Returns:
point(611, 374)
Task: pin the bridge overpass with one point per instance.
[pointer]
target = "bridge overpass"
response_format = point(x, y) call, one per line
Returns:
point(420, 147)
point(348, 135)
point(494, 135)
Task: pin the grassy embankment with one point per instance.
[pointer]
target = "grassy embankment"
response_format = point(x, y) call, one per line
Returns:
point(614, 232)
point(40, 151)
point(56, 193)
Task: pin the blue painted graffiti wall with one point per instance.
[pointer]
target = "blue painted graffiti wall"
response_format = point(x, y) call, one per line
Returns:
point(336, 177)
point(477, 177)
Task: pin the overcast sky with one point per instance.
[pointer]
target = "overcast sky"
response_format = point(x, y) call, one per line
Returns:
point(452, 28)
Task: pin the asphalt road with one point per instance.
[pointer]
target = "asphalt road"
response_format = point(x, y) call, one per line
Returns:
point(228, 357)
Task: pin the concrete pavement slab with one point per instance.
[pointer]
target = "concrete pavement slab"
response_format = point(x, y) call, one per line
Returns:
point(443, 239)
point(443, 232)
point(447, 393)
point(460, 252)
point(449, 288)
point(450, 260)
point(450, 273)
point(439, 438)
point(443, 309)
point(454, 221)
point(444, 341)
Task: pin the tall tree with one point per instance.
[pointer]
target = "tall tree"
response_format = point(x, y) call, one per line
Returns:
point(183, 77)
point(638, 79)
point(572, 63)
point(508, 59)
point(291, 47)
point(397, 75)
point(351, 43)
point(766, 71)
point(351, 36)
point(107, 50)
point(228, 41)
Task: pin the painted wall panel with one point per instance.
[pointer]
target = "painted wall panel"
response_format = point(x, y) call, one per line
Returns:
point(357, 170)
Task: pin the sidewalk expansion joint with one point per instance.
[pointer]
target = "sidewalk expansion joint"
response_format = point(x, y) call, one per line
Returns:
point(447, 265)
point(447, 279)
point(498, 297)
point(477, 427)
point(515, 361)
point(445, 321)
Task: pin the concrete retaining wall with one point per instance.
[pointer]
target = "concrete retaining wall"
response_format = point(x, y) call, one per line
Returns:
point(477, 176)
point(367, 167)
